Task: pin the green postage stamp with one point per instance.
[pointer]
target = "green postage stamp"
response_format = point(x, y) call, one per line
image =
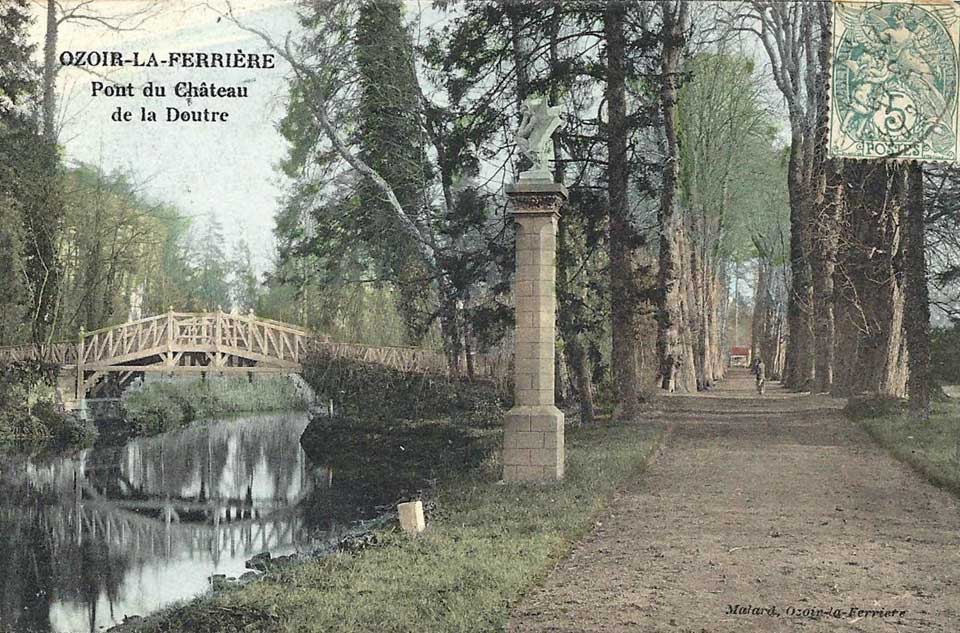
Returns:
point(893, 87)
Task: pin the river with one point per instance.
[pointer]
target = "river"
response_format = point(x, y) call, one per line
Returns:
point(91, 536)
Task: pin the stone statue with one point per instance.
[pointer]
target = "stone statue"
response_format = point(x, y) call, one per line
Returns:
point(135, 312)
point(534, 137)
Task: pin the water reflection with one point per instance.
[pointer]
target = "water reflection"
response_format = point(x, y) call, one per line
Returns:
point(88, 538)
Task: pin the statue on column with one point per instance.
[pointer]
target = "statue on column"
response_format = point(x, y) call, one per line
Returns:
point(534, 139)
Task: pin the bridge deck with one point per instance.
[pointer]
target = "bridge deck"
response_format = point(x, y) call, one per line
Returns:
point(191, 343)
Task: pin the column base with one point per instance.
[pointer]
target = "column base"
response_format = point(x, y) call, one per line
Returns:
point(533, 444)
point(67, 390)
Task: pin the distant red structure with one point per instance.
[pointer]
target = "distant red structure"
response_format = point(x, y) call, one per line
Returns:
point(739, 356)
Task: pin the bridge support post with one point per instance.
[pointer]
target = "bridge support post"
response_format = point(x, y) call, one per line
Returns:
point(533, 429)
point(171, 335)
point(81, 352)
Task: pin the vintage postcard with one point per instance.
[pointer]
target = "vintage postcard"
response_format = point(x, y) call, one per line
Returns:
point(476, 316)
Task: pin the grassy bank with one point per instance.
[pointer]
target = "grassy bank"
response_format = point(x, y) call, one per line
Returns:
point(485, 545)
point(168, 404)
point(932, 447)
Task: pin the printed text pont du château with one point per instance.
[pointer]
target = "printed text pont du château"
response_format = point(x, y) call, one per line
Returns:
point(184, 112)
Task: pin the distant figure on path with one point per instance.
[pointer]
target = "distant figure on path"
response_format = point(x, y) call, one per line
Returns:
point(761, 375)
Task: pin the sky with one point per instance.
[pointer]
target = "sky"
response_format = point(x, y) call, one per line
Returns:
point(226, 169)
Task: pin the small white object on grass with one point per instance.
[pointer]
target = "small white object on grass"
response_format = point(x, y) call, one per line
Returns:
point(411, 517)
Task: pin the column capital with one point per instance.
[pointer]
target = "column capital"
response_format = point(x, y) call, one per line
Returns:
point(536, 198)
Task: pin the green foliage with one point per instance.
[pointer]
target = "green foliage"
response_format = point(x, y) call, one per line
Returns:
point(350, 312)
point(18, 76)
point(119, 244)
point(31, 182)
point(30, 187)
point(163, 405)
point(211, 274)
point(945, 355)
point(14, 292)
point(113, 245)
point(244, 285)
point(28, 407)
point(871, 407)
point(364, 391)
point(729, 171)
point(391, 142)
point(336, 231)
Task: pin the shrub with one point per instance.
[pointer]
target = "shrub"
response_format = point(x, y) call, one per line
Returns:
point(167, 404)
point(28, 406)
point(945, 355)
point(373, 392)
point(869, 407)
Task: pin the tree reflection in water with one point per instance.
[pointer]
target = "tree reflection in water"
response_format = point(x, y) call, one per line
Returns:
point(90, 537)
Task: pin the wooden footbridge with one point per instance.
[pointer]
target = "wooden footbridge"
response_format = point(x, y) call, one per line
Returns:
point(214, 342)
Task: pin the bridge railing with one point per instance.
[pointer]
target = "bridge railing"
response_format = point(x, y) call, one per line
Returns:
point(210, 332)
point(411, 359)
point(405, 359)
point(58, 353)
point(264, 338)
point(220, 334)
point(128, 340)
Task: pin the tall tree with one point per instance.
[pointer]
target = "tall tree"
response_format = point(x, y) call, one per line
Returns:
point(86, 13)
point(827, 201)
point(329, 163)
point(244, 285)
point(871, 349)
point(670, 316)
point(392, 143)
point(723, 126)
point(17, 86)
point(31, 169)
point(917, 301)
point(212, 273)
point(623, 237)
point(787, 33)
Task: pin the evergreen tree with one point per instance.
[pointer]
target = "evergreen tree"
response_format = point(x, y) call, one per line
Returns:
point(244, 285)
point(29, 169)
point(212, 269)
point(392, 143)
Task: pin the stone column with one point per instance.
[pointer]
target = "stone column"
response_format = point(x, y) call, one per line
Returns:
point(533, 428)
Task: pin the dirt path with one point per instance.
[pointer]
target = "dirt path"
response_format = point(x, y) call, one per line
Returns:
point(776, 502)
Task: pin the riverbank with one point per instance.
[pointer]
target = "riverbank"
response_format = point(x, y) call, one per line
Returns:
point(932, 448)
point(163, 405)
point(29, 411)
point(484, 547)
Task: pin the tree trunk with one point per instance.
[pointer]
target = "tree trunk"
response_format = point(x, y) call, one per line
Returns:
point(670, 317)
point(799, 360)
point(822, 264)
point(827, 199)
point(626, 371)
point(918, 299)
point(717, 289)
point(687, 375)
point(767, 341)
point(870, 304)
point(468, 351)
point(760, 300)
point(451, 328)
point(576, 357)
point(698, 303)
point(569, 308)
